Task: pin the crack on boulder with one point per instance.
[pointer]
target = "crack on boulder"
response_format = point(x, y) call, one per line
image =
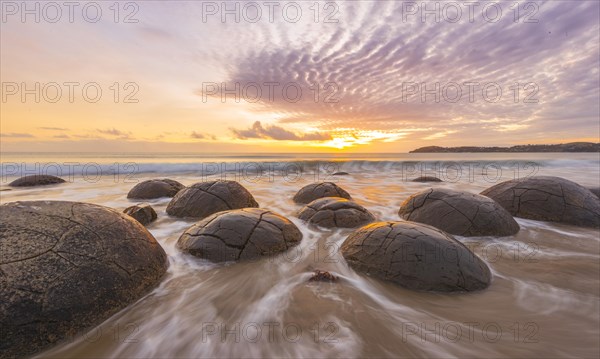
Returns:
point(460, 213)
point(335, 212)
point(59, 268)
point(369, 251)
point(550, 199)
point(277, 234)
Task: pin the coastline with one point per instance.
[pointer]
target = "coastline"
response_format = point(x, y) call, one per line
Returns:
point(573, 147)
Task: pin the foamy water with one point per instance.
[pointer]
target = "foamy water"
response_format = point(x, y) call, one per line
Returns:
point(543, 301)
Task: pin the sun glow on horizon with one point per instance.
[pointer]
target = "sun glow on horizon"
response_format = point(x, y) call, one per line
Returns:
point(349, 137)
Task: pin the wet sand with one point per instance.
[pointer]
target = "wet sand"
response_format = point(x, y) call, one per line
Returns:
point(543, 300)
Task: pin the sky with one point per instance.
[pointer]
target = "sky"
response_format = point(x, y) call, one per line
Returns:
point(303, 76)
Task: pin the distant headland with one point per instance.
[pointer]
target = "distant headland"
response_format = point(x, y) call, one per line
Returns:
point(563, 147)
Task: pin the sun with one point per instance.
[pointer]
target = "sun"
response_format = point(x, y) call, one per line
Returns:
point(343, 138)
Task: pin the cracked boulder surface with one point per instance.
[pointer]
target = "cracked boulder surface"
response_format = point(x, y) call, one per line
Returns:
point(459, 213)
point(335, 212)
point(66, 267)
point(547, 198)
point(314, 191)
point(143, 213)
point(239, 235)
point(36, 180)
point(427, 179)
point(155, 188)
point(203, 199)
point(415, 256)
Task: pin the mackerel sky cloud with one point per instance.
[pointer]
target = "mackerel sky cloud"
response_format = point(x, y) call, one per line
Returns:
point(386, 74)
point(383, 71)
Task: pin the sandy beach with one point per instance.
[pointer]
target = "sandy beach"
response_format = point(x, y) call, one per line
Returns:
point(543, 277)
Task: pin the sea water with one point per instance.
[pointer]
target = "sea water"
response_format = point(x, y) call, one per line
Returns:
point(543, 301)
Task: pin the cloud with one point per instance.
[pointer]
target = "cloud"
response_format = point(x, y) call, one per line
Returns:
point(439, 135)
point(202, 136)
point(155, 33)
point(366, 65)
point(278, 133)
point(87, 136)
point(367, 55)
point(63, 136)
point(113, 132)
point(16, 135)
point(53, 128)
point(121, 135)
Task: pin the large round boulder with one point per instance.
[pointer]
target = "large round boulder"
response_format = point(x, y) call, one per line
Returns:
point(335, 212)
point(314, 191)
point(67, 266)
point(36, 180)
point(546, 198)
point(415, 256)
point(155, 188)
point(203, 199)
point(460, 213)
point(239, 235)
point(143, 213)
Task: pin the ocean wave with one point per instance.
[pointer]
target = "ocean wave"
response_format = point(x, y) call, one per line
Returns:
point(266, 164)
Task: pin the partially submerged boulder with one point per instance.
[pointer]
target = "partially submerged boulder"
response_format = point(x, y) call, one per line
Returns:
point(335, 212)
point(547, 198)
point(155, 188)
point(314, 191)
point(322, 276)
point(143, 213)
point(239, 235)
point(459, 213)
point(415, 256)
point(67, 266)
point(341, 173)
point(203, 199)
point(427, 179)
point(36, 180)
